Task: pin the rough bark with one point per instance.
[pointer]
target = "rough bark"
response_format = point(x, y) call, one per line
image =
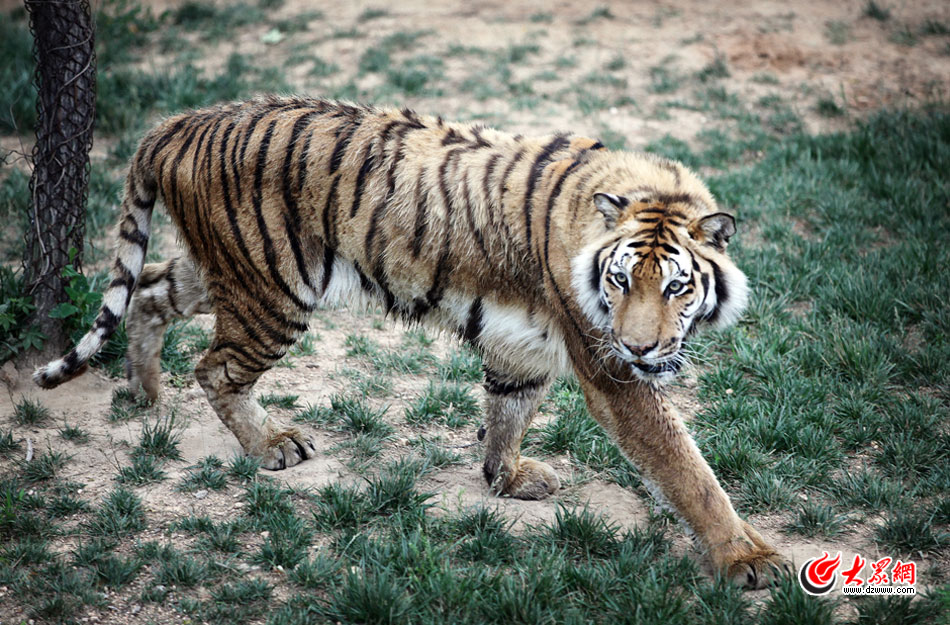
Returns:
point(63, 47)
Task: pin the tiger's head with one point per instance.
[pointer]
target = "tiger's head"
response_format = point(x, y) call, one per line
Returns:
point(656, 273)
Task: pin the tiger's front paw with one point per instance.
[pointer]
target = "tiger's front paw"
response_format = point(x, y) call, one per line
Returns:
point(532, 479)
point(284, 448)
point(750, 562)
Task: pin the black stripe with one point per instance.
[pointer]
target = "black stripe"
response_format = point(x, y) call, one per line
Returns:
point(469, 212)
point(230, 211)
point(140, 204)
point(365, 168)
point(473, 326)
point(106, 319)
point(722, 294)
point(204, 228)
point(137, 237)
point(343, 136)
point(396, 158)
point(292, 216)
point(328, 256)
point(496, 386)
point(542, 160)
point(422, 217)
point(329, 205)
point(174, 202)
point(489, 170)
point(251, 332)
point(597, 146)
point(669, 248)
point(196, 204)
point(436, 290)
point(452, 137)
point(579, 333)
point(555, 192)
point(255, 357)
point(164, 140)
point(270, 257)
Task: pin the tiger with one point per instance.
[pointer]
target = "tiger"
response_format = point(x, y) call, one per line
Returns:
point(549, 255)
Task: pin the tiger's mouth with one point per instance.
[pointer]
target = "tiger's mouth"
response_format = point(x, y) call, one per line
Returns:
point(669, 367)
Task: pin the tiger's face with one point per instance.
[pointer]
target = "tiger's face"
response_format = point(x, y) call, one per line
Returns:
point(656, 274)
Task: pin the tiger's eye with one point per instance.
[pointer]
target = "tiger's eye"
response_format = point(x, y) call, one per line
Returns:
point(620, 279)
point(675, 286)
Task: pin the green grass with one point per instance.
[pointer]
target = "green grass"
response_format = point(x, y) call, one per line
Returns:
point(450, 404)
point(126, 406)
point(833, 386)
point(208, 474)
point(877, 11)
point(160, 438)
point(30, 412)
point(145, 469)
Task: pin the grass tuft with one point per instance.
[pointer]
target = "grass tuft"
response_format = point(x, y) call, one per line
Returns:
point(450, 404)
point(29, 412)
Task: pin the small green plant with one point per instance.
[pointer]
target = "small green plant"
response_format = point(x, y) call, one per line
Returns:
point(8, 444)
point(181, 570)
point(30, 412)
point(244, 467)
point(338, 507)
point(664, 79)
point(828, 107)
point(315, 573)
point(912, 531)
point(816, 519)
point(372, 14)
point(462, 365)
point(115, 571)
point(120, 513)
point(600, 13)
point(126, 406)
point(74, 434)
point(837, 32)
point(65, 505)
point(145, 469)
point(287, 542)
point(159, 439)
point(207, 474)
point(358, 345)
point(934, 27)
point(876, 11)
point(43, 467)
point(451, 404)
point(717, 68)
point(288, 402)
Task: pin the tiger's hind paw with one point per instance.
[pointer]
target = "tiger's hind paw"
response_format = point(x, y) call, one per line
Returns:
point(532, 480)
point(285, 449)
point(750, 562)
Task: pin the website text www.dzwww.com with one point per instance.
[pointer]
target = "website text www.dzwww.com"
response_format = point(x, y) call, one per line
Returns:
point(879, 590)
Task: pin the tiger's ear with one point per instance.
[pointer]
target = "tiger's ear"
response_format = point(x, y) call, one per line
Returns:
point(610, 206)
point(715, 230)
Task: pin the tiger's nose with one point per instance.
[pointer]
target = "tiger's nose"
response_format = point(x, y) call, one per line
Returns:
point(639, 350)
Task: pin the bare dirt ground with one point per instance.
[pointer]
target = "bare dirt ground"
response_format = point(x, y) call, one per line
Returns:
point(770, 48)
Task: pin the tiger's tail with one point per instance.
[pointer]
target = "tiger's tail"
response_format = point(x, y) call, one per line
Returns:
point(133, 230)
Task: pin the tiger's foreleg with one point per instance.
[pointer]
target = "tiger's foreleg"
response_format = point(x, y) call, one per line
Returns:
point(651, 434)
point(244, 347)
point(165, 292)
point(509, 407)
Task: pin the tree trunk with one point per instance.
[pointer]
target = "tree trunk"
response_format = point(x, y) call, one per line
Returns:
point(63, 47)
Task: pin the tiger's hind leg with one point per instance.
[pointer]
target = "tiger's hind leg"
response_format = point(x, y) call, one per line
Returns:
point(510, 405)
point(165, 292)
point(246, 344)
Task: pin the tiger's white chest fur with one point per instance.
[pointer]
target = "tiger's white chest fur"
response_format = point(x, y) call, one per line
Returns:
point(525, 343)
